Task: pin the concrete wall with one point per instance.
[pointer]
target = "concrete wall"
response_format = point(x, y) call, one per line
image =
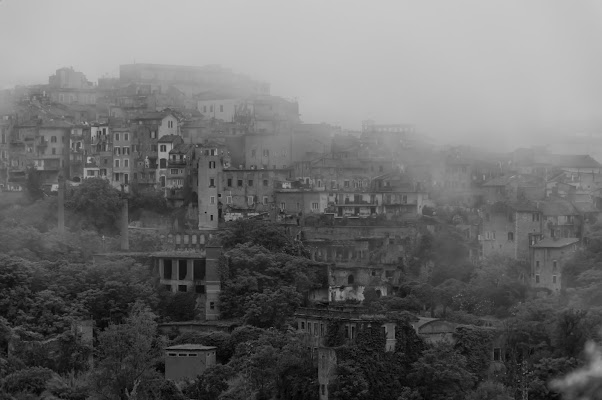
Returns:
point(187, 364)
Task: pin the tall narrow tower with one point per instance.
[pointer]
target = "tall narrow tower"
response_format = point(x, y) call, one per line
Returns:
point(61, 210)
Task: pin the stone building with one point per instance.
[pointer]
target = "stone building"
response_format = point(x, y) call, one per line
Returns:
point(548, 257)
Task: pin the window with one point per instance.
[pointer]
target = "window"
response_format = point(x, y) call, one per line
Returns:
point(239, 183)
point(117, 136)
point(126, 137)
point(315, 329)
point(253, 153)
point(303, 325)
point(323, 389)
point(53, 139)
point(228, 199)
point(204, 109)
point(153, 134)
point(221, 108)
point(117, 151)
point(182, 269)
point(212, 305)
point(322, 330)
point(211, 108)
point(283, 206)
point(53, 151)
point(154, 148)
point(537, 278)
point(126, 163)
point(117, 163)
point(404, 199)
point(212, 200)
point(250, 182)
point(554, 279)
point(126, 151)
point(535, 217)
point(497, 354)
point(249, 199)
point(163, 148)
point(166, 269)
point(511, 236)
point(554, 266)
point(537, 265)
point(298, 206)
point(266, 153)
point(265, 182)
point(315, 206)
point(346, 184)
point(182, 288)
point(350, 280)
point(199, 269)
point(265, 200)
point(211, 182)
point(229, 182)
point(211, 164)
point(174, 171)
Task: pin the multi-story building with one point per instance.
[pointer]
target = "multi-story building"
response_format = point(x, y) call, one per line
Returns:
point(510, 228)
point(561, 219)
point(548, 257)
point(212, 158)
point(192, 272)
point(122, 156)
point(160, 123)
point(166, 144)
point(180, 174)
point(244, 191)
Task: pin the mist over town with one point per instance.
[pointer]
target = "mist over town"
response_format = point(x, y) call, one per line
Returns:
point(310, 200)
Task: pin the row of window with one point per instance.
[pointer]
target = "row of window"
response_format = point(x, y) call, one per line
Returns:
point(250, 182)
point(126, 163)
point(221, 108)
point(121, 150)
point(210, 353)
point(266, 153)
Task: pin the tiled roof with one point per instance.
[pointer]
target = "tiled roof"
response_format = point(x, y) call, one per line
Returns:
point(168, 138)
point(557, 207)
point(549, 242)
point(568, 160)
point(521, 179)
point(584, 207)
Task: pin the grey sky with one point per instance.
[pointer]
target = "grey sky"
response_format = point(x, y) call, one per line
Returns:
point(457, 68)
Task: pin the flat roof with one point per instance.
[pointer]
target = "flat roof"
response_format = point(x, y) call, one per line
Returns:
point(191, 346)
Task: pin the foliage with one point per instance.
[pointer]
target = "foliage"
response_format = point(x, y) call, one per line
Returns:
point(260, 233)
point(211, 383)
point(28, 380)
point(33, 184)
point(441, 373)
point(271, 308)
point(97, 203)
point(475, 345)
point(490, 390)
point(126, 355)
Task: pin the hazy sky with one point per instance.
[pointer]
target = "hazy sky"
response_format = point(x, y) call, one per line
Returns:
point(479, 69)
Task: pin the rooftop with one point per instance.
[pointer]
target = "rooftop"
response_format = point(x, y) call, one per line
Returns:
point(555, 243)
point(198, 347)
point(168, 138)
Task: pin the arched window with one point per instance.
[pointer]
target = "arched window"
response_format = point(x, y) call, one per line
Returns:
point(511, 236)
point(350, 280)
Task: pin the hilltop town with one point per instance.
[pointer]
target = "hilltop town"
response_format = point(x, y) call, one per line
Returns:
point(234, 220)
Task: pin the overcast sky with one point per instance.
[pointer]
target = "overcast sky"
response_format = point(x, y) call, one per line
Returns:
point(458, 69)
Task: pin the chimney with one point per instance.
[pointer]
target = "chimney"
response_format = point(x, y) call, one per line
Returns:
point(61, 210)
point(125, 242)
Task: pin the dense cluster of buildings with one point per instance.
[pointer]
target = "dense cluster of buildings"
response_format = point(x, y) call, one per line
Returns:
point(219, 144)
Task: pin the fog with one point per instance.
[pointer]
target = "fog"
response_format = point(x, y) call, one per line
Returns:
point(491, 73)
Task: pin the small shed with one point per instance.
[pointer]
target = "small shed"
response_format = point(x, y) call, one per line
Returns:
point(187, 361)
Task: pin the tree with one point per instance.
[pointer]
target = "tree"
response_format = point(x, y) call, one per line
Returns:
point(97, 205)
point(441, 374)
point(350, 383)
point(490, 390)
point(211, 383)
point(127, 354)
point(33, 184)
point(272, 308)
